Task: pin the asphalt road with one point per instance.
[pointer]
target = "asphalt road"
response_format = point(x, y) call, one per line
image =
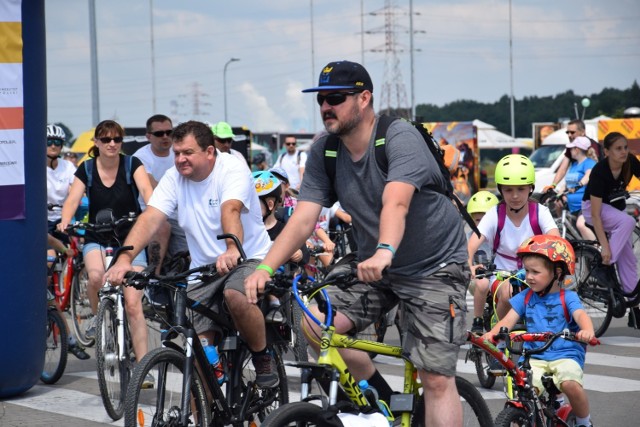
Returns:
point(612, 381)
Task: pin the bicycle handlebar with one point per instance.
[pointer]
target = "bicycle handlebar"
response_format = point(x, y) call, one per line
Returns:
point(547, 337)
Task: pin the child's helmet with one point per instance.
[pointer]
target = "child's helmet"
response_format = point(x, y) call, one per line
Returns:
point(555, 248)
point(481, 202)
point(267, 185)
point(515, 169)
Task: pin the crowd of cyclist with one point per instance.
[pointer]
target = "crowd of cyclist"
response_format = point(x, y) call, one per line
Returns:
point(188, 185)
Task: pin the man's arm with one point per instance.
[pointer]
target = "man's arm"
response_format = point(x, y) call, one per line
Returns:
point(231, 224)
point(295, 233)
point(139, 237)
point(396, 199)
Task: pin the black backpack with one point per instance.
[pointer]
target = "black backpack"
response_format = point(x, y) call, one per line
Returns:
point(331, 152)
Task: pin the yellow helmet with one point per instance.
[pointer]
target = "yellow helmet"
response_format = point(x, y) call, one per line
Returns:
point(481, 202)
point(515, 169)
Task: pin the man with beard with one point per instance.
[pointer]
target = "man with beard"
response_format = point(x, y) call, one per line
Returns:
point(395, 216)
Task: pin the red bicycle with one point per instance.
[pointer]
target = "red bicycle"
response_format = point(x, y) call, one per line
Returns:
point(527, 408)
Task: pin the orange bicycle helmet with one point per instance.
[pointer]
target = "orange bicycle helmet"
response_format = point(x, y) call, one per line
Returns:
point(555, 248)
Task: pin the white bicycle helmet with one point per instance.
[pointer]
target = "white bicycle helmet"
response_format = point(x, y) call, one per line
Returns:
point(56, 132)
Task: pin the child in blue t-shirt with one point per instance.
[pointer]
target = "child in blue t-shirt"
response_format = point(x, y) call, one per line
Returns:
point(546, 307)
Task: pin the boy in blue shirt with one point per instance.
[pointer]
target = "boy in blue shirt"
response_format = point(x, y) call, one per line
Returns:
point(548, 260)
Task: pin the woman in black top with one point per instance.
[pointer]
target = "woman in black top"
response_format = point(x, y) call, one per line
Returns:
point(603, 206)
point(109, 190)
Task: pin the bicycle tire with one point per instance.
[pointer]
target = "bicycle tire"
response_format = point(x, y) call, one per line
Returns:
point(160, 406)
point(475, 411)
point(278, 395)
point(299, 342)
point(299, 414)
point(55, 358)
point(80, 307)
point(113, 374)
point(511, 416)
point(481, 361)
point(595, 298)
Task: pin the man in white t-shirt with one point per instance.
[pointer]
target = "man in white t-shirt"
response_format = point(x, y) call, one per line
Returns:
point(223, 135)
point(216, 195)
point(157, 157)
point(292, 161)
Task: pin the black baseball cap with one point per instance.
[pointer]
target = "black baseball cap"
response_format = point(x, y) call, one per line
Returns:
point(343, 75)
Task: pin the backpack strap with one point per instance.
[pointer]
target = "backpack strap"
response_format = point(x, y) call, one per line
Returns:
point(331, 145)
point(567, 316)
point(299, 154)
point(281, 157)
point(502, 216)
point(88, 169)
point(533, 217)
point(128, 160)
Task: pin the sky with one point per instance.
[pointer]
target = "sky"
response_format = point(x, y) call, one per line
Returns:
point(460, 51)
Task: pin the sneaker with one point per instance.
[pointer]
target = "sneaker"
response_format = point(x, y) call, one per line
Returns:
point(478, 326)
point(495, 367)
point(602, 275)
point(634, 318)
point(90, 332)
point(274, 315)
point(266, 371)
point(149, 381)
point(78, 351)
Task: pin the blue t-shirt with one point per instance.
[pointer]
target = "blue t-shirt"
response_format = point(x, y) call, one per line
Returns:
point(574, 175)
point(546, 314)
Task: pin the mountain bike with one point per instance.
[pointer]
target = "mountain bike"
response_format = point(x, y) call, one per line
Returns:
point(188, 392)
point(55, 358)
point(527, 408)
point(566, 221)
point(335, 385)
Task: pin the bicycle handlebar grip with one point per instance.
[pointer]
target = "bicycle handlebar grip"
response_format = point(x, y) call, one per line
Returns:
point(235, 239)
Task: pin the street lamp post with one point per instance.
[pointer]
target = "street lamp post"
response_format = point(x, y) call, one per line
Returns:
point(224, 84)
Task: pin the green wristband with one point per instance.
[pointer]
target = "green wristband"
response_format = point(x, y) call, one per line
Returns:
point(265, 268)
point(387, 247)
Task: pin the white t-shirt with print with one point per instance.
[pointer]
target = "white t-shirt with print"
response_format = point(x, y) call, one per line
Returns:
point(154, 165)
point(58, 182)
point(289, 162)
point(200, 209)
point(511, 236)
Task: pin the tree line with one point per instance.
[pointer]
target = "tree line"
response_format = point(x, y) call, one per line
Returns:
point(609, 102)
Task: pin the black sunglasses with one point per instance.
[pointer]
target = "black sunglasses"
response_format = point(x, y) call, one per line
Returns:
point(161, 133)
point(108, 139)
point(571, 132)
point(56, 142)
point(225, 140)
point(335, 98)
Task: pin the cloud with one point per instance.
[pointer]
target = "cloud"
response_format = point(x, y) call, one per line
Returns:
point(259, 114)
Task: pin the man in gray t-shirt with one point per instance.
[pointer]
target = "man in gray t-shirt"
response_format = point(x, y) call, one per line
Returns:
point(411, 243)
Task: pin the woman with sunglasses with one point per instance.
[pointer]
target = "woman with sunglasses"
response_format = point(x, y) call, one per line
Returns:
point(109, 190)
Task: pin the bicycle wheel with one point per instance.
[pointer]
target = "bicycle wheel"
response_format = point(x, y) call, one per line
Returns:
point(299, 342)
point(475, 411)
point(594, 297)
point(55, 357)
point(80, 307)
point(481, 360)
point(297, 414)
point(511, 416)
point(264, 400)
point(161, 406)
point(113, 373)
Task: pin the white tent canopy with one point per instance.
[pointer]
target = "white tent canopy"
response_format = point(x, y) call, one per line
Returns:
point(490, 137)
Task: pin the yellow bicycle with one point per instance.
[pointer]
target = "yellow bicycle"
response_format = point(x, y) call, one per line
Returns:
point(340, 393)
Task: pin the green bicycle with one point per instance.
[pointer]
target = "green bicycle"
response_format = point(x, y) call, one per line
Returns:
point(338, 391)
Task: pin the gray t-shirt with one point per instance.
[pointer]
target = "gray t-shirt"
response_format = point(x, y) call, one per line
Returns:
point(434, 232)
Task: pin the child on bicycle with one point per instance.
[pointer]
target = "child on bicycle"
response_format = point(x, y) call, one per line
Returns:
point(269, 190)
point(515, 219)
point(549, 260)
point(478, 205)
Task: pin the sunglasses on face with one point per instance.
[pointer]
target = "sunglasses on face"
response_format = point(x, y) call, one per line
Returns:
point(225, 141)
point(161, 133)
point(108, 139)
point(571, 132)
point(56, 142)
point(290, 143)
point(335, 98)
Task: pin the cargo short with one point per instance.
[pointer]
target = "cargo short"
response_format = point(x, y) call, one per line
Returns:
point(433, 336)
point(206, 293)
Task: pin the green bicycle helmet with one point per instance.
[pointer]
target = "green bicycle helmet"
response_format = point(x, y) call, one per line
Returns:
point(481, 202)
point(515, 169)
